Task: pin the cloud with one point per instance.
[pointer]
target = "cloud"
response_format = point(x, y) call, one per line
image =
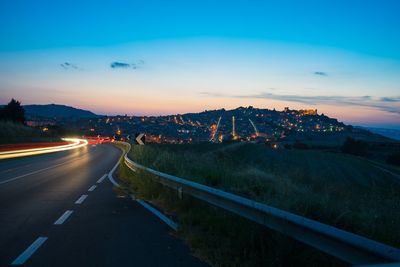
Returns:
point(212, 94)
point(116, 65)
point(391, 99)
point(384, 103)
point(123, 65)
point(68, 66)
point(320, 73)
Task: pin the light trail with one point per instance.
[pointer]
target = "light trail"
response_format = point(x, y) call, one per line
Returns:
point(76, 143)
point(212, 139)
point(255, 128)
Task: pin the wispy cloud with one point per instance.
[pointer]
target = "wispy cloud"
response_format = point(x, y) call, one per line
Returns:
point(391, 99)
point(124, 65)
point(69, 66)
point(320, 73)
point(387, 104)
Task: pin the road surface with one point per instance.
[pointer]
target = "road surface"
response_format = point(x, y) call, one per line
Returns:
point(59, 210)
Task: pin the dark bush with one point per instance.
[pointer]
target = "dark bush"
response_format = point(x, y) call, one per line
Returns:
point(287, 146)
point(354, 147)
point(394, 159)
point(299, 145)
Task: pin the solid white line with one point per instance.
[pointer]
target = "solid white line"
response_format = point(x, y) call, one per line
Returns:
point(110, 174)
point(10, 170)
point(102, 178)
point(30, 173)
point(164, 218)
point(41, 170)
point(81, 199)
point(24, 256)
point(92, 188)
point(63, 217)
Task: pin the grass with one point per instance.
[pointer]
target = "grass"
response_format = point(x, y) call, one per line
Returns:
point(11, 133)
point(341, 190)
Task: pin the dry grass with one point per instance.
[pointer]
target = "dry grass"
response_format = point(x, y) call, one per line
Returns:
point(340, 190)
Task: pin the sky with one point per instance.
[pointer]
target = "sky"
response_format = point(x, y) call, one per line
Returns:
point(168, 57)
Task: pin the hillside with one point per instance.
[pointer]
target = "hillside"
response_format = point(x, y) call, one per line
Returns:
point(58, 111)
point(341, 190)
point(240, 124)
point(11, 133)
point(390, 133)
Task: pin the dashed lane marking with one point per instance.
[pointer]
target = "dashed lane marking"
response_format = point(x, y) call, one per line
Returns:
point(81, 199)
point(24, 256)
point(63, 217)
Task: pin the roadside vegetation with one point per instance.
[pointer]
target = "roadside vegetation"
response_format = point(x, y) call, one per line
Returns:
point(12, 133)
point(218, 237)
point(342, 190)
point(14, 130)
point(394, 159)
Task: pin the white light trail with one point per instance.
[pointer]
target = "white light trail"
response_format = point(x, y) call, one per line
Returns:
point(76, 143)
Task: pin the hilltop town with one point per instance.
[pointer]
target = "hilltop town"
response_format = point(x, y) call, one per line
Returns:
point(240, 124)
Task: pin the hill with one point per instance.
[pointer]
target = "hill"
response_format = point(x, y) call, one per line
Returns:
point(11, 133)
point(57, 111)
point(390, 133)
point(240, 124)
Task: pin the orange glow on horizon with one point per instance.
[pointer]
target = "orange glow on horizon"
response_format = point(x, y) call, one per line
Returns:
point(148, 104)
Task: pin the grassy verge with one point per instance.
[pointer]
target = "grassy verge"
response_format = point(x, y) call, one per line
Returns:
point(218, 237)
point(341, 190)
point(11, 133)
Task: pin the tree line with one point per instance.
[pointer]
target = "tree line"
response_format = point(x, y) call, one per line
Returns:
point(13, 111)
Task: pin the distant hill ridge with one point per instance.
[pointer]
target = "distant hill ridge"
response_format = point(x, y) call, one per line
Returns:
point(55, 110)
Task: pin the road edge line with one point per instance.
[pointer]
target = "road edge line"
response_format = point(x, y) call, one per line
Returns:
point(144, 204)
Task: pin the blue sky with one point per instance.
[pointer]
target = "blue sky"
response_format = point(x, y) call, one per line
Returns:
point(342, 57)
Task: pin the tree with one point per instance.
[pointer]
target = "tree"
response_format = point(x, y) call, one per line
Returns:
point(13, 111)
point(354, 147)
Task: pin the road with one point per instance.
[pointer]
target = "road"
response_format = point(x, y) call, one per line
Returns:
point(56, 210)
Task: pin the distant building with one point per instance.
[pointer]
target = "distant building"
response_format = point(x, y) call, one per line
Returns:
point(37, 123)
point(310, 112)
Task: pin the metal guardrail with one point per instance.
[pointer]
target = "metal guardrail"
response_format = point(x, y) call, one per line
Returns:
point(349, 247)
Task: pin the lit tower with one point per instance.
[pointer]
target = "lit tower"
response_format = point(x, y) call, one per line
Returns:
point(234, 136)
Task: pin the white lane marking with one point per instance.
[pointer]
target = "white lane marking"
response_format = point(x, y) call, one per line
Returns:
point(41, 170)
point(164, 218)
point(102, 178)
point(81, 199)
point(13, 169)
point(110, 174)
point(64, 217)
point(24, 256)
point(92, 188)
point(34, 172)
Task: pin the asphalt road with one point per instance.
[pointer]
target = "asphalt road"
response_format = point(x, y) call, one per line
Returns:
point(58, 210)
